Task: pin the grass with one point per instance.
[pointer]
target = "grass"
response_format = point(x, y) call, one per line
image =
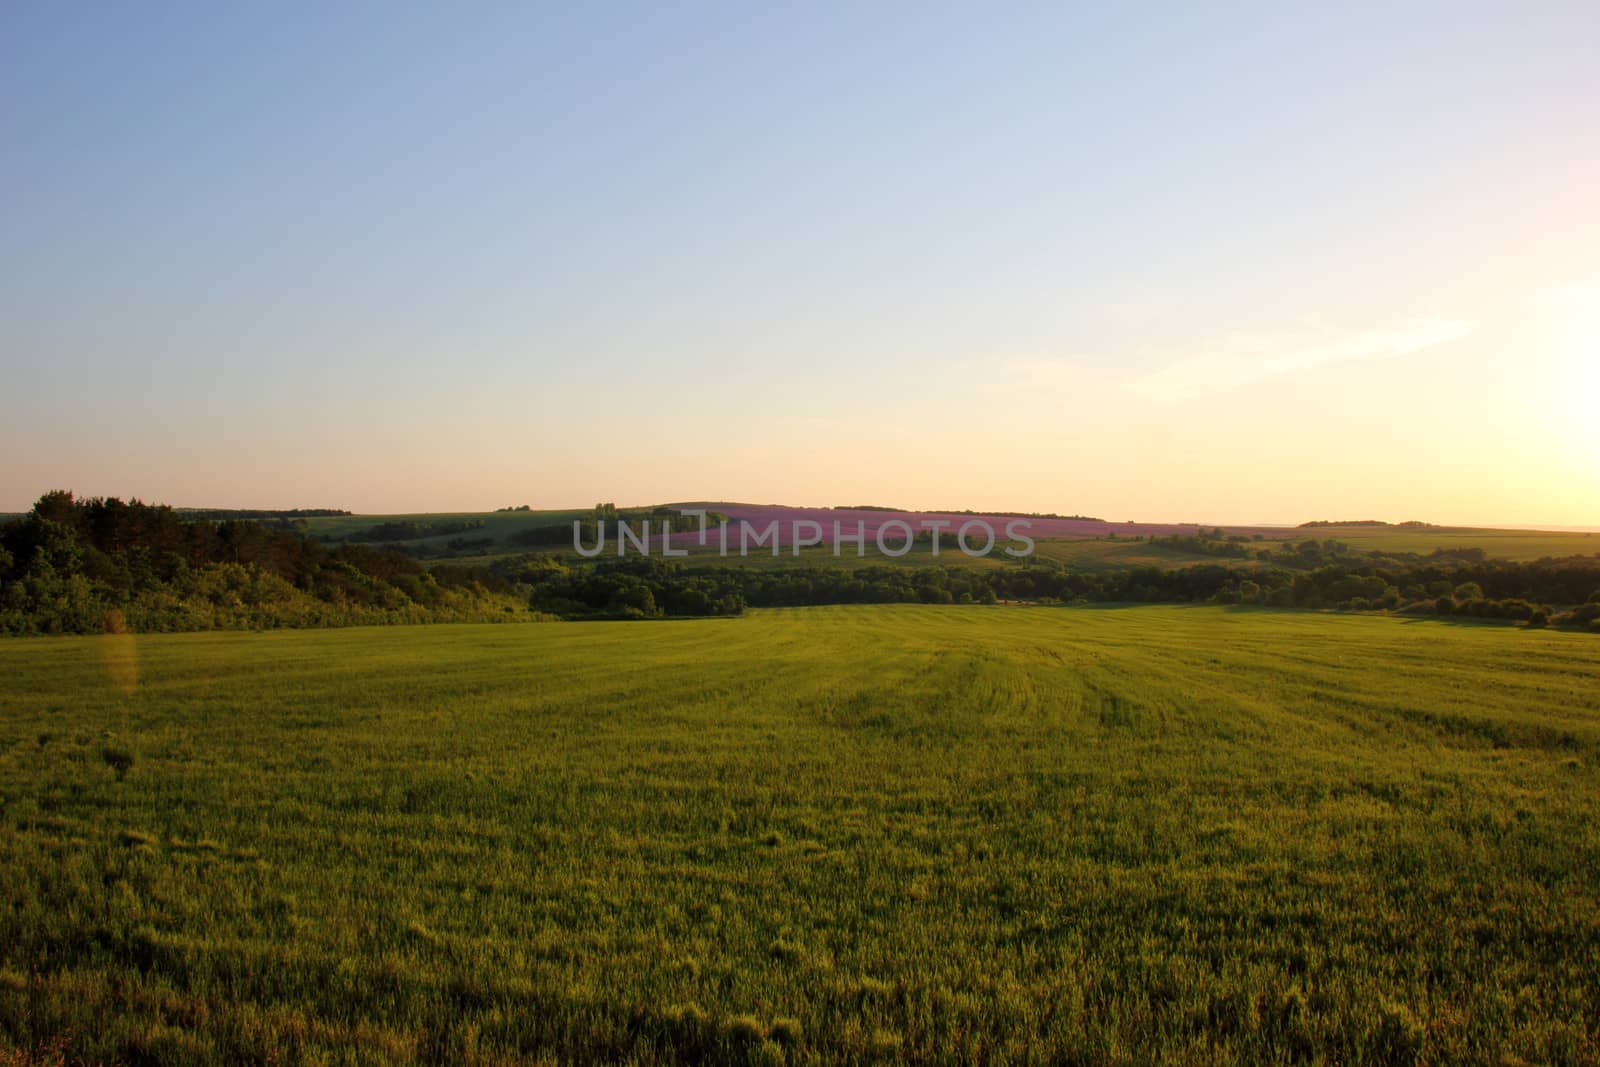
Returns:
point(1097, 835)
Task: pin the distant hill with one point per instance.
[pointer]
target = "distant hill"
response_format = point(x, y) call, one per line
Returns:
point(1318, 523)
point(258, 513)
point(1409, 524)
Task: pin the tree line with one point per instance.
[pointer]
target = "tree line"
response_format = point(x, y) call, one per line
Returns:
point(1562, 592)
point(88, 565)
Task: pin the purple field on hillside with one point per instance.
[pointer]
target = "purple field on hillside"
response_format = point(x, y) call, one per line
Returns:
point(759, 515)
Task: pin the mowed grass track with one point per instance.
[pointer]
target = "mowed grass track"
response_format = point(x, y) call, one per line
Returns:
point(859, 834)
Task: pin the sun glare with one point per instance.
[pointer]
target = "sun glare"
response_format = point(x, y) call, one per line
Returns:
point(1575, 384)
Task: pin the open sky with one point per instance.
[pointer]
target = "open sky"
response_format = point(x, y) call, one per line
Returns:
point(1198, 262)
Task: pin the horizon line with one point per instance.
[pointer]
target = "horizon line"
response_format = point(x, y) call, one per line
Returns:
point(882, 509)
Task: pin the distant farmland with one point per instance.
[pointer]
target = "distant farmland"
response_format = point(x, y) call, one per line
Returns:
point(963, 835)
point(760, 515)
point(501, 528)
point(1518, 545)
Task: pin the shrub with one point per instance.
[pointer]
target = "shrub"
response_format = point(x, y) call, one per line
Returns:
point(1515, 609)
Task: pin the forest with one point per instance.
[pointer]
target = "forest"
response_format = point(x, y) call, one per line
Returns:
point(103, 565)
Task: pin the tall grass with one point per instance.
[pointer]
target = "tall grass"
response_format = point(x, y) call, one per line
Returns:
point(1176, 835)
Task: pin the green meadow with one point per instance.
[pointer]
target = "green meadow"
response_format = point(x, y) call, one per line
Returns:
point(853, 834)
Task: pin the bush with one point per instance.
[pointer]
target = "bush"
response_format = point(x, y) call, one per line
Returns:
point(1515, 609)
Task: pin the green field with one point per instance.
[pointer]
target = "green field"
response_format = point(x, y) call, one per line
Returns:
point(1103, 554)
point(820, 835)
point(1085, 553)
point(1517, 545)
point(500, 525)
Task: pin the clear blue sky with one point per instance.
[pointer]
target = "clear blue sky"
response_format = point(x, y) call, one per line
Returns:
point(404, 257)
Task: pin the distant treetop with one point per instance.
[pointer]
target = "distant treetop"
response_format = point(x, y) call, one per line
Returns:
point(259, 513)
point(1024, 515)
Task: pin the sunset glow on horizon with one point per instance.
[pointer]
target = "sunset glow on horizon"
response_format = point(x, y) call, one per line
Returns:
point(1166, 265)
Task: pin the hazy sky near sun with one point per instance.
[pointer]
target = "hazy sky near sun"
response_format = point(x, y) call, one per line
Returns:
point(1199, 262)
